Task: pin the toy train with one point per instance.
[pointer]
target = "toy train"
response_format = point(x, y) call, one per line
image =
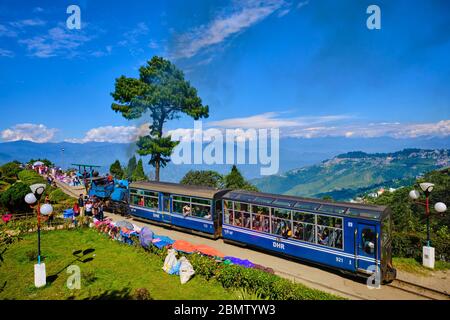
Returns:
point(353, 238)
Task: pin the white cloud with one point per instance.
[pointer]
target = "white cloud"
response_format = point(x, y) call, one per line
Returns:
point(131, 37)
point(115, 134)
point(323, 126)
point(302, 4)
point(38, 9)
point(6, 53)
point(372, 130)
point(57, 41)
point(273, 120)
point(7, 32)
point(28, 131)
point(28, 23)
point(243, 15)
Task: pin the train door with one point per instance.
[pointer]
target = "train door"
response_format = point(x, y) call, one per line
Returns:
point(367, 247)
point(166, 206)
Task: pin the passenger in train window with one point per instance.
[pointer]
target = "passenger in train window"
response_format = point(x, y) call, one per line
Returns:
point(246, 221)
point(285, 231)
point(298, 232)
point(266, 226)
point(227, 217)
point(186, 210)
point(323, 237)
point(208, 215)
point(141, 202)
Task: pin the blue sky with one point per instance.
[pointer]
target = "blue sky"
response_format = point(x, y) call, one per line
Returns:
point(311, 68)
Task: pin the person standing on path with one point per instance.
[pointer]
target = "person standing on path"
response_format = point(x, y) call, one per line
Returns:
point(81, 205)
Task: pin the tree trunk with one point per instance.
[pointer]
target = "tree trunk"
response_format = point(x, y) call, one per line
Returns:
point(157, 166)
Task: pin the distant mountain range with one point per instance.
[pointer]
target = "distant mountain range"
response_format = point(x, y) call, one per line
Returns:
point(347, 175)
point(294, 153)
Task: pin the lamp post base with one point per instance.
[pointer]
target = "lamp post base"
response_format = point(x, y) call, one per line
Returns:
point(39, 275)
point(428, 257)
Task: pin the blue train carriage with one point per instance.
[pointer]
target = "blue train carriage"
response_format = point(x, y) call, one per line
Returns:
point(186, 207)
point(347, 236)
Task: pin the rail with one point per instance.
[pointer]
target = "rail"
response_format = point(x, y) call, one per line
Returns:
point(419, 290)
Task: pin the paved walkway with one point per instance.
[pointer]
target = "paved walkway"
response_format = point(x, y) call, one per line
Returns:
point(312, 276)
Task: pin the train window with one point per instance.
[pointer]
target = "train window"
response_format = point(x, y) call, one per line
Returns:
point(240, 206)
point(201, 201)
point(227, 204)
point(181, 207)
point(133, 190)
point(368, 240)
point(328, 236)
point(304, 231)
point(329, 231)
point(134, 199)
point(303, 217)
point(281, 227)
point(332, 209)
point(260, 210)
point(363, 213)
point(260, 223)
point(180, 198)
point(201, 211)
point(285, 203)
point(151, 202)
point(228, 216)
point(263, 200)
point(307, 205)
point(151, 193)
point(237, 221)
point(329, 221)
point(281, 213)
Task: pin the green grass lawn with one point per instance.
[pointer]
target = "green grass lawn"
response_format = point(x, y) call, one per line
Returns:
point(413, 266)
point(115, 270)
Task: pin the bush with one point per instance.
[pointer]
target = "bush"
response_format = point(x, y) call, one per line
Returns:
point(142, 294)
point(58, 196)
point(9, 171)
point(409, 244)
point(14, 197)
point(30, 177)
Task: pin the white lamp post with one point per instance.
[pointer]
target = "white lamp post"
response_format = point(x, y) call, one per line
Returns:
point(428, 250)
point(33, 199)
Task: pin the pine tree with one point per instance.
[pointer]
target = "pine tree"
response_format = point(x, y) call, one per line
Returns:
point(132, 164)
point(138, 173)
point(116, 170)
point(235, 180)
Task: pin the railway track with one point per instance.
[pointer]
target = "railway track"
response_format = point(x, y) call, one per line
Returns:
point(419, 290)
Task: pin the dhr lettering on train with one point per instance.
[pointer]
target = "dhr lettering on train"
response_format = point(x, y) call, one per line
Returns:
point(208, 147)
point(278, 245)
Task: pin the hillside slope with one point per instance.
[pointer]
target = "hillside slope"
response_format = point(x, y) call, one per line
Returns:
point(350, 174)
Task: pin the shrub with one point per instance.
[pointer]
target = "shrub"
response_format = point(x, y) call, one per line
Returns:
point(13, 197)
point(203, 265)
point(58, 196)
point(30, 177)
point(142, 294)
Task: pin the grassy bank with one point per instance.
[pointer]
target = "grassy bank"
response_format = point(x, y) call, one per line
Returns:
point(413, 266)
point(112, 270)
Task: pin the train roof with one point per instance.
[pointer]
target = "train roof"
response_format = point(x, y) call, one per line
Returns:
point(346, 209)
point(181, 189)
